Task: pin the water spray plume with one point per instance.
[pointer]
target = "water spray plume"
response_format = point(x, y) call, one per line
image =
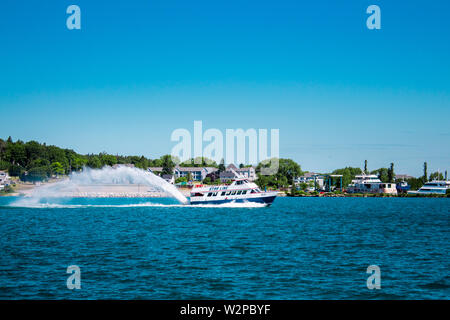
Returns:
point(120, 175)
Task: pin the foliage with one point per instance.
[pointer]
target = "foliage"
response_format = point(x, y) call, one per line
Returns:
point(167, 164)
point(31, 159)
point(436, 176)
point(199, 162)
point(221, 166)
point(287, 171)
point(348, 174)
point(382, 173)
point(425, 172)
point(390, 173)
point(36, 174)
point(207, 180)
point(415, 183)
point(15, 170)
point(181, 180)
point(57, 168)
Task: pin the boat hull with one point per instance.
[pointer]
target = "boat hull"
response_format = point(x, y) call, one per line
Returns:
point(266, 200)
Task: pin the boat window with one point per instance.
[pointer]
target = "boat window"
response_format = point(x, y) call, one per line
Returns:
point(197, 194)
point(239, 192)
point(209, 194)
point(244, 192)
point(233, 193)
point(253, 191)
point(223, 193)
point(228, 193)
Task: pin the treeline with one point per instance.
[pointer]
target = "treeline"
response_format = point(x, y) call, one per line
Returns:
point(33, 161)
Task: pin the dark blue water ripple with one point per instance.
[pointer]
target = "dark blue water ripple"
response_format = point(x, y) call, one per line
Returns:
point(302, 248)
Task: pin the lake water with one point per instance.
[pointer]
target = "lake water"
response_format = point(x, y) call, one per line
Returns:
point(300, 248)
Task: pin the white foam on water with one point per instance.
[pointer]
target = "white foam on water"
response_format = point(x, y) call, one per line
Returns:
point(92, 177)
point(136, 205)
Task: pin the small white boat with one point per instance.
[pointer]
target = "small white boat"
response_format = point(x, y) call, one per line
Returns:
point(239, 191)
point(433, 187)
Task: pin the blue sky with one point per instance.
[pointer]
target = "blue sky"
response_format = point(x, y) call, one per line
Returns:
point(137, 70)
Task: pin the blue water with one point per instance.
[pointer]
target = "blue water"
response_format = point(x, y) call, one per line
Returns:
point(300, 248)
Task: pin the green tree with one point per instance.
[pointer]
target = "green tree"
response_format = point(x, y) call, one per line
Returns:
point(222, 166)
point(425, 172)
point(37, 174)
point(288, 170)
point(181, 180)
point(57, 168)
point(107, 159)
point(207, 180)
point(436, 176)
point(348, 174)
point(365, 167)
point(167, 164)
point(390, 173)
point(15, 170)
point(382, 173)
point(2, 148)
point(94, 162)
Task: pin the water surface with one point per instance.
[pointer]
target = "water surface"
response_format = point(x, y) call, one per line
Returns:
point(300, 248)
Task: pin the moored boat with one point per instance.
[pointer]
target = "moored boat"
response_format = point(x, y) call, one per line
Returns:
point(433, 187)
point(371, 184)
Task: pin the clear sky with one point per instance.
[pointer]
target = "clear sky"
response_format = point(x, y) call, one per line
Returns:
point(137, 70)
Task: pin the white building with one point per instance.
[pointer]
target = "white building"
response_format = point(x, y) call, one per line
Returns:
point(232, 172)
point(4, 179)
point(309, 178)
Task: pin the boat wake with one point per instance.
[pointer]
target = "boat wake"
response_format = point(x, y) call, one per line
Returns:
point(134, 205)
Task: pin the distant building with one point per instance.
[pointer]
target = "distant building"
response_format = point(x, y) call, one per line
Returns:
point(169, 178)
point(155, 170)
point(308, 177)
point(233, 172)
point(196, 173)
point(403, 177)
point(226, 176)
point(4, 179)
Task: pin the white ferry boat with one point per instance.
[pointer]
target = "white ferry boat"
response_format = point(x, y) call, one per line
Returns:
point(433, 187)
point(239, 191)
point(370, 184)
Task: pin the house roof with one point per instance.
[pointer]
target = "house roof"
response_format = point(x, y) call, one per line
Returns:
point(403, 176)
point(195, 169)
point(232, 166)
point(227, 174)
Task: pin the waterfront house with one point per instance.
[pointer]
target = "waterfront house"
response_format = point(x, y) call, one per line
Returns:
point(4, 179)
point(196, 173)
point(155, 170)
point(233, 172)
point(309, 177)
point(169, 178)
